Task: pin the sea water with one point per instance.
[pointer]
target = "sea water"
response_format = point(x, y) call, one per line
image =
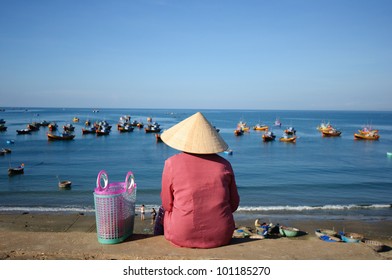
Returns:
point(316, 177)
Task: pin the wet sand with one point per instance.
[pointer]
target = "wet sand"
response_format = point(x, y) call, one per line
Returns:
point(31, 236)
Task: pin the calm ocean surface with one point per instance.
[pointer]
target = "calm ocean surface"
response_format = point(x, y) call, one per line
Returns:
point(331, 178)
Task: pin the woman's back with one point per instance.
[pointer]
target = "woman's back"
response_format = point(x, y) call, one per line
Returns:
point(199, 194)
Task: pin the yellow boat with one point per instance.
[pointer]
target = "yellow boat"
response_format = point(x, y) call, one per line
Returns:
point(288, 139)
point(367, 133)
point(260, 127)
point(366, 136)
point(324, 126)
point(75, 119)
point(243, 126)
point(367, 129)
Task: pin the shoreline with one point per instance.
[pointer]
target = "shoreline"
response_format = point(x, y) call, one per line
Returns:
point(30, 236)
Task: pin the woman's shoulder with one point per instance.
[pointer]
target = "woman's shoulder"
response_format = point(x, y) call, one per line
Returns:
point(188, 157)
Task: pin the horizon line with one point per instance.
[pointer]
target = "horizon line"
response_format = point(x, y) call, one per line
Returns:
point(205, 109)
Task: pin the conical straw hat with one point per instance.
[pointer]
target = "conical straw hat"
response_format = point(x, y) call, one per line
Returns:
point(194, 135)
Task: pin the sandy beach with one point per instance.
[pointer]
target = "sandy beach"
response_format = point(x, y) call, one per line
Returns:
point(31, 236)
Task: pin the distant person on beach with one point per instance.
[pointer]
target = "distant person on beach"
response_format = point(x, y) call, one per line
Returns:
point(153, 215)
point(142, 212)
point(199, 193)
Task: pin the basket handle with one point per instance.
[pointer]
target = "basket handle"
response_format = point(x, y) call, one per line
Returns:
point(130, 181)
point(102, 176)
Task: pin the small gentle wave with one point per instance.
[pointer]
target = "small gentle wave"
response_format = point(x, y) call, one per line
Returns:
point(310, 208)
point(241, 209)
point(47, 209)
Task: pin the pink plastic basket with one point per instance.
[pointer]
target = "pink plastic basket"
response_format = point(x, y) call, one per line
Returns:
point(114, 208)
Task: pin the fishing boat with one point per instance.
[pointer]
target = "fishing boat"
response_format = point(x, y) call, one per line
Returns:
point(367, 129)
point(102, 128)
point(23, 131)
point(228, 152)
point(290, 131)
point(288, 139)
point(102, 131)
point(260, 127)
point(103, 125)
point(243, 126)
point(89, 130)
point(330, 232)
point(122, 123)
point(65, 184)
point(6, 150)
point(125, 128)
point(367, 136)
point(63, 136)
point(277, 123)
point(124, 120)
point(324, 126)
point(327, 235)
point(3, 127)
point(351, 237)
point(152, 127)
point(268, 136)
point(53, 126)
point(75, 119)
point(288, 231)
point(69, 127)
point(238, 132)
point(33, 126)
point(16, 170)
point(332, 132)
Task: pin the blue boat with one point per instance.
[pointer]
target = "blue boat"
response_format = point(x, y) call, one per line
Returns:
point(351, 237)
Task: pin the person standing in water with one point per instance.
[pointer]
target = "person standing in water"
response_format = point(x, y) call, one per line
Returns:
point(142, 212)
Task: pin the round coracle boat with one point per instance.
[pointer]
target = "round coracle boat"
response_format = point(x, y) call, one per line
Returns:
point(288, 231)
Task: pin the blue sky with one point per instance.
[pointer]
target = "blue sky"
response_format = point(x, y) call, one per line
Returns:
point(251, 54)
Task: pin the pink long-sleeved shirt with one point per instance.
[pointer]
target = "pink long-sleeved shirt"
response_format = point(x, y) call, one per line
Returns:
point(199, 195)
